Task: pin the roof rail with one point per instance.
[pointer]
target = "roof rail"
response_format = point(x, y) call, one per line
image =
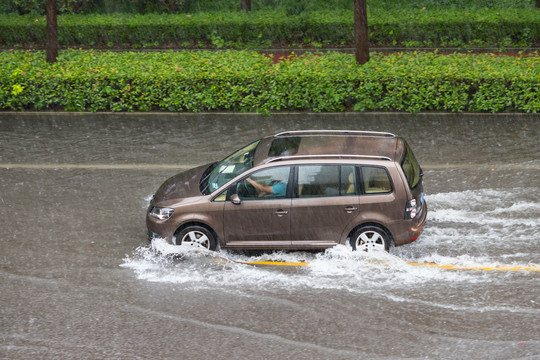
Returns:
point(334, 156)
point(335, 132)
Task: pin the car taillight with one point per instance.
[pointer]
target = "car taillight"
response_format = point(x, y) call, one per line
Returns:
point(411, 209)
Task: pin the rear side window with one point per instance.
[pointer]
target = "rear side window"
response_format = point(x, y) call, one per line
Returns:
point(326, 180)
point(410, 167)
point(375, 180)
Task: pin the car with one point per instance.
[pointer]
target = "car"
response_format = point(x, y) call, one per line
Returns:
point(310, 189)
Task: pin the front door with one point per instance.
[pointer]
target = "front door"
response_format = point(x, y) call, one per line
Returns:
point(262, 218)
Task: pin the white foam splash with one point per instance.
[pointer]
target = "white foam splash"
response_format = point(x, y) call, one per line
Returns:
point(337, 268)
point(480, 228)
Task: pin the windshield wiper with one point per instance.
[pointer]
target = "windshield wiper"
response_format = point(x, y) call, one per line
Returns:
point(205, 176)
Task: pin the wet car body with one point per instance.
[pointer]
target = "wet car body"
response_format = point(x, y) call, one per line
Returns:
point(338, 186)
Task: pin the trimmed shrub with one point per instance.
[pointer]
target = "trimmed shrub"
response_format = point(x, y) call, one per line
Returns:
point(248, 81)
point(262, 29)
point(291, 6)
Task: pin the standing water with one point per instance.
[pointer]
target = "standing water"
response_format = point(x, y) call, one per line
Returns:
point(80, 280)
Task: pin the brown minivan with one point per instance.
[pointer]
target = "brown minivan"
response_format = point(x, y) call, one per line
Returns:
point(297, 190)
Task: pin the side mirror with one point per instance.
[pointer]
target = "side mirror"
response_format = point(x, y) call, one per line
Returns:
point(235, 199)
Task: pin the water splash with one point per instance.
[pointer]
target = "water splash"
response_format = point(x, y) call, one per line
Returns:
point(482, 228)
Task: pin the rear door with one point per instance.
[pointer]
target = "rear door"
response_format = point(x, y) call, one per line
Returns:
point(326, 202)
point(381, 201)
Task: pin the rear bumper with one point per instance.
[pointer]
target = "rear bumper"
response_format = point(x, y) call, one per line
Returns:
point(417, 230)
point(409, 230)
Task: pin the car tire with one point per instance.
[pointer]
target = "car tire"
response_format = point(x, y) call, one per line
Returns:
point(370, 238)
point(196, 236)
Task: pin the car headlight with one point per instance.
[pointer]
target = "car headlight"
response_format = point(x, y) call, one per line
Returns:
point(161, 213)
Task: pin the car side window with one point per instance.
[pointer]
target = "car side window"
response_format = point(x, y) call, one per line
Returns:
point(318, 180)
point(375, 180)
point(326, 180)
point(221, 197)
point(265, 184)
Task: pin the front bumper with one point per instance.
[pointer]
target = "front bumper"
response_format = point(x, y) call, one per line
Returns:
point(152, 235)
point(159, 228)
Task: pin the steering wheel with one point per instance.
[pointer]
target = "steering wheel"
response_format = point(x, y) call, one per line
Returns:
point(245, 189)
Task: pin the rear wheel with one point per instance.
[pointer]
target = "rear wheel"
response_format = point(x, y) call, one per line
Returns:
point(196, 236)
point(370, 238)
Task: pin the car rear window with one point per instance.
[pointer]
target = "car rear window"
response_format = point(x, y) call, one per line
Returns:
point(410, 167)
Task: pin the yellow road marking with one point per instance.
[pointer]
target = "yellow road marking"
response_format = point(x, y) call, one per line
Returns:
point(533, 268)
point(478, 268)
point(275, 263)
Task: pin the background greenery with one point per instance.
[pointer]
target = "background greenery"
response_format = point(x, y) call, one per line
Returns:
point(499, 28)
point(248, 81)
point(137, 24)
point(36, 7)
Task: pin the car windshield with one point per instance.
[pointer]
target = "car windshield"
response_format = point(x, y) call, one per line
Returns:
point(228, 168)
point(411, 168)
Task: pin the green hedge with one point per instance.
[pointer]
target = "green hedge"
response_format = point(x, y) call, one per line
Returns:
point(248, 81)
point(262, 29)
point(290, 6)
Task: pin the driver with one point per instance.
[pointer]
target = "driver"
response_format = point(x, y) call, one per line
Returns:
point(278, 189)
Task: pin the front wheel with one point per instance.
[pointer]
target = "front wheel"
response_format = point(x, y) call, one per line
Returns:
point(370, 239)
point(196, 236)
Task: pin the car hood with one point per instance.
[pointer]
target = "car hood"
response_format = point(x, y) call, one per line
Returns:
point(181, 186)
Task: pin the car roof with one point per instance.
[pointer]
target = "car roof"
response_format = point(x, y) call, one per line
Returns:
point(327, 144)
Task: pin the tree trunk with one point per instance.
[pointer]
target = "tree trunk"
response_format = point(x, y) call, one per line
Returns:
point(52, 32)
point(361, 32)
point(245, 5)
point(537, 3)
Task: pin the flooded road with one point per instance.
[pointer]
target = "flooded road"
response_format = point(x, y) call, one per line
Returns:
point(79, 280)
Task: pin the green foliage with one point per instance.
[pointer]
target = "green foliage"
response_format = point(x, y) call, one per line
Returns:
point(394, 27)
point(37, 7)
point(248, 81)
point(292, 7)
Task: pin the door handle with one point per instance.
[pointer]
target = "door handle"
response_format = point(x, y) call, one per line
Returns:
point(281, 212)
point(350, 209)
